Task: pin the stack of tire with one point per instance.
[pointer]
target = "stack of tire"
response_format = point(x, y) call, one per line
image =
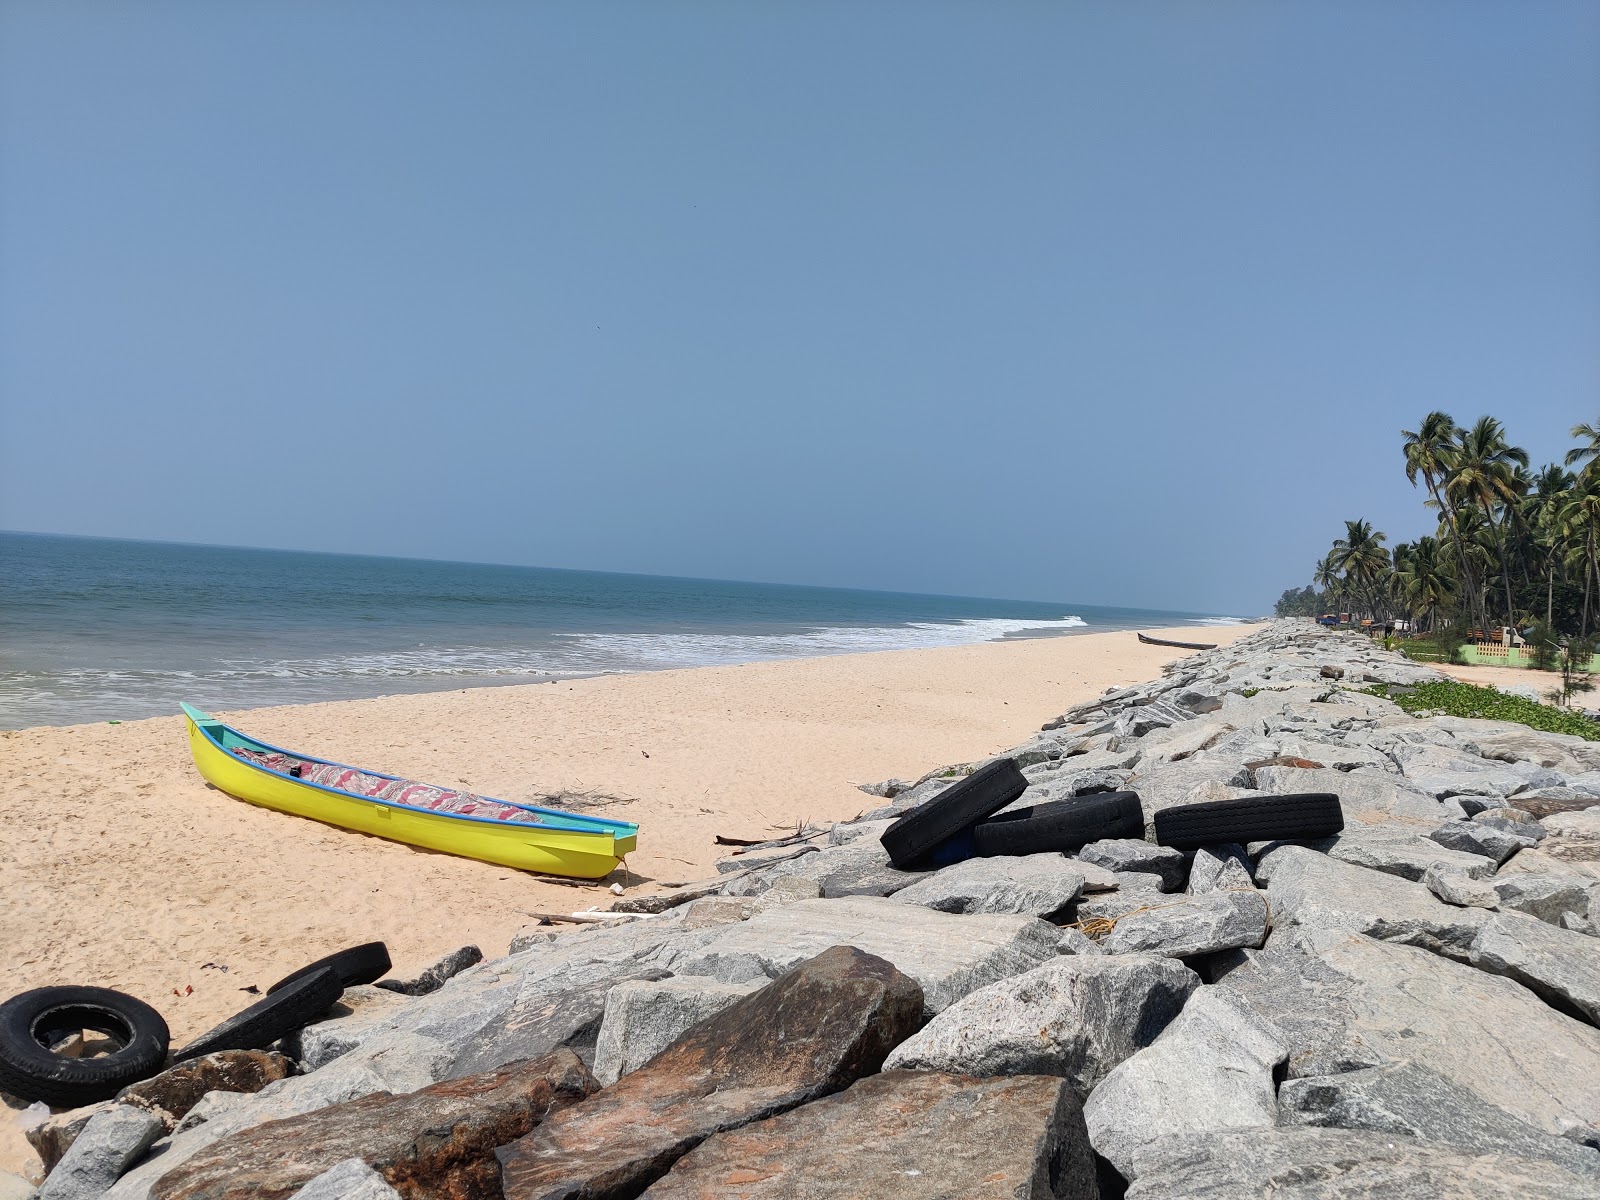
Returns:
point(35, 1024)
point(961, 822)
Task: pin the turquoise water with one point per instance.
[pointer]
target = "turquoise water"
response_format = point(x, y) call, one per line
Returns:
point(95, 629)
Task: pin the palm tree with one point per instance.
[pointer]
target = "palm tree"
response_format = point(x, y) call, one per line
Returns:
point(1430, 452)
point(1360, 556)
point(1588, 453)
point(1484, 473)
point(1326, 577)
point(1422, 577)
point(1542, 518)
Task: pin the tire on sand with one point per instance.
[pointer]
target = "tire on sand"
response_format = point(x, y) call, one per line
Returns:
point(1298, 818)
point(34, 1022)
point(366, 963)
point(1064, 825)
point(912, 838)
point(292, 1007)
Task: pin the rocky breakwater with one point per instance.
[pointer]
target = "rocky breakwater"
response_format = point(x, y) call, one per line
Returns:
point(1409, 1008)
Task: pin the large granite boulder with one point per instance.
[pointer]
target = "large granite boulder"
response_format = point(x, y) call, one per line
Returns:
point(101, 1152)
point(1341, 1164)
point(1076, 1017)
point(1560, 965)
point(1193, 925)
point(902, 1135)
point(947, 955)
point(1345, 1002)
point(1209, 1070)
point(439, 1140)
point(1402, 850)
point(1364, 794)
point(813, 1032)
point(1409, 1099)
point(1035, 885)
point(644, 1018)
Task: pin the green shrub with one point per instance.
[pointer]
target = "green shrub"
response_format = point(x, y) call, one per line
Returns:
point(1465, 700)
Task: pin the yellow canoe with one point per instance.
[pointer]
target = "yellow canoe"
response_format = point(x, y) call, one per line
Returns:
point(511, 835)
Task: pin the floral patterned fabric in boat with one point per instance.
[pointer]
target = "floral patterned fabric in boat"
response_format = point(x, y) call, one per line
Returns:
point(396, 791)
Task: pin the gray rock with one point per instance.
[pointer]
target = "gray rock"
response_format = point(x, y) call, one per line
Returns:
point(1554, 856)
point(1037, 885)
point(1209, 1070)
point(1179, 742)
point(1194, 925)
point(848, 831)
point(1313, 891)
point(1401, 850)
point(1513, 821)
point(1345, 1002)
point(350, 1180)
point(1473, 838)
point(859, 868)
point(1409, 1099)
point(15, 1187)
point(109, 1143)
point(642, 1019)
point(1455, 887)
point(1146, 858)
point(1340, 1164)
point(787, 890)
point(1548, 897)
point(1364, 794)
point(433, 977)
point(948, 956)
point(1167, 784)
point(1076, 1017)
point(1442, 773)
point(758, 857)
point(360, 1009)
point(1559, 964)
point(1075, 941)
point(1219, 869)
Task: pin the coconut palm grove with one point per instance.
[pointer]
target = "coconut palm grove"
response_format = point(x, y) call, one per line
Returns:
point(1514, 549)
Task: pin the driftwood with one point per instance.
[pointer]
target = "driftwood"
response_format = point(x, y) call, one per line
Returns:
point(682, 892)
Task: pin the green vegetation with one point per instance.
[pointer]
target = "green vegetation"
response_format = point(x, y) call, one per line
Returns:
point(1465, 700)
point(1512, 546)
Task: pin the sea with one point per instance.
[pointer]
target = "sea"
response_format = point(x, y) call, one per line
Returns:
point(100, 629)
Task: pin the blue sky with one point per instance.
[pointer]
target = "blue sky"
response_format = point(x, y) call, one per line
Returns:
point(1109, 303)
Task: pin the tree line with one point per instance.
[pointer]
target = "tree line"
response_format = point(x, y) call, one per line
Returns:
point(1513, 546)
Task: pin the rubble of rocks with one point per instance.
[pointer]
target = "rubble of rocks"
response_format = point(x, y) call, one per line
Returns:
point(1409, 1008)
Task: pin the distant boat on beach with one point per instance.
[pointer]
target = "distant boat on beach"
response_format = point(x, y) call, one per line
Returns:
point(401, 810)
point(1150, 641)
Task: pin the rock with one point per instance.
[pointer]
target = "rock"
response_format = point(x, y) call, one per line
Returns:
point(848, 831)
point(52, 1137)
point(1400, 850)
point(1441, 772)
point(1167, 784)
point(1075, 941)
point(1345, 1002)
point(1312, 891)
point(1364, 794)
point(1472, 838)
point(811, 1033)
point(1096, 879)
point(1561, 965)
point(435, 1141)
point(1037, 885)
point(1582, 824)
point(1410, 1100)
point(1076, 1017)
point(108, 1145)
point(756, 858)
point(948, 956)
point(530, 937)
point(15, 1187)
point(1129, 854)
point(432, 978)
point(1219, 869)
point(359, 1009)
point(858, 868)
point(171, 1094)
point(1512, 820)
point(1545, 802)
point(1554, 857)
point(1179, 742)
point(1210, 1070)
point(1194, 925)
point(784, 890)
point(1332, 1164)
point(350, 1180)
point(642, 1019)
point(1548, 897)
point(897, 1135)
point(1460, 889)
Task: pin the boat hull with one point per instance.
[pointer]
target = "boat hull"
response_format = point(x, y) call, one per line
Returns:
point(1150, 641)
point(586, 850)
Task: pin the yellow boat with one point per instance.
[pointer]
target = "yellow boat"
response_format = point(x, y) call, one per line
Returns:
point(435, 818)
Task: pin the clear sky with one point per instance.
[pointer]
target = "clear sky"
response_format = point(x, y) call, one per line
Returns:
point(1118, 303)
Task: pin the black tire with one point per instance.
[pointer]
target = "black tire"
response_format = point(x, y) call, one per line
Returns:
point(34, 1021)
point(1064, 825)
point(1299, 818)
point(366, 963)
point(953, 811)
point(291, 1008)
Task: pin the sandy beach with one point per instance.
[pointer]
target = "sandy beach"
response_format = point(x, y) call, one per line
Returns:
point(123, 868)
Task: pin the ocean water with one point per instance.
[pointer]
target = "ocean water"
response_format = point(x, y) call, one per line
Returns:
point(95, 629)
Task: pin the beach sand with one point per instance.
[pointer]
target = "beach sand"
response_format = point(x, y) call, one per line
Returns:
point(122, 868)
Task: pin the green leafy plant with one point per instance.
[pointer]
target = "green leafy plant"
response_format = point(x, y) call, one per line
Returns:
point(1465, 700)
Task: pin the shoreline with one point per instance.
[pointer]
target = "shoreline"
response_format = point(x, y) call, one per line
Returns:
point(130, 872)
